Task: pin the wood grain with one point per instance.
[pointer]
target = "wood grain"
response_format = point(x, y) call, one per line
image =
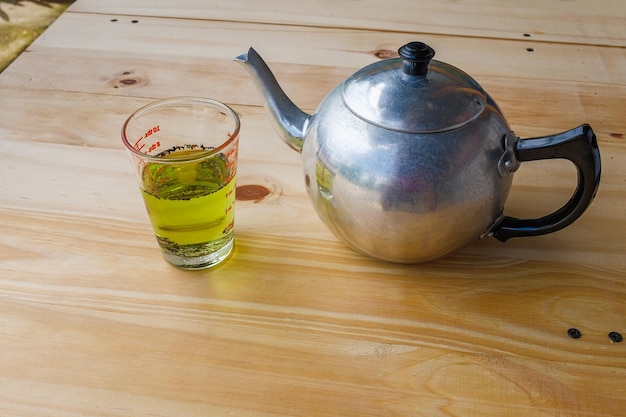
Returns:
point(94, 323)
point(599, 22)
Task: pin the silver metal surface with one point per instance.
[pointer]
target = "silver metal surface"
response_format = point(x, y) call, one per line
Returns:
point(408, 179)
point(289, 121)
point(444, 98)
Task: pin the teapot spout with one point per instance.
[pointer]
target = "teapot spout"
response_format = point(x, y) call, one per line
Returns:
point(290, 122)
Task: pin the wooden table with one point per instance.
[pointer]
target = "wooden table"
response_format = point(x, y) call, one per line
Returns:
point(93, 322)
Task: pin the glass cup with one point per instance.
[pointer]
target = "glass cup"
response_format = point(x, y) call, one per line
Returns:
point(184, 154)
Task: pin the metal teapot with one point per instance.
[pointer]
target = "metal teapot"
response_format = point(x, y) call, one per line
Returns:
point(409, 159)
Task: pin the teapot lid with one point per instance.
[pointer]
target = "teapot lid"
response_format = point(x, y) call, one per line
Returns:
point(414, 94)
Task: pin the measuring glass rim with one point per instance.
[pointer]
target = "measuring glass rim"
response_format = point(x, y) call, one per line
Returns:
point(182, 100)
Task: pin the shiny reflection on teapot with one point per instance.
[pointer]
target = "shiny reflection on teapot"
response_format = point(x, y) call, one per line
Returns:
point(409, 159)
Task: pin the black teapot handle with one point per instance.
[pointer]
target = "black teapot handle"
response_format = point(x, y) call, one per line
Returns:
point(579, 145)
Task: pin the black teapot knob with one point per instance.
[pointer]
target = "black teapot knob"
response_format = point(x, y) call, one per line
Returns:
point(416, 56)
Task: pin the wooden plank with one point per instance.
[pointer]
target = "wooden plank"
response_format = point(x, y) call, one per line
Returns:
point(531, 87)
point(397, 377)
point(434, 318)
point(534, 107)
point(344, 50)
point(422, 331)
point(296, 323)
point(92, 171)
point(599, 22)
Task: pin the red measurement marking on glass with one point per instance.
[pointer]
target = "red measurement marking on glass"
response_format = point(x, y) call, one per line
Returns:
point(151, 131)
point(228, 228)
point(154, 146)
point(136, 145)
point(139, 146)
point(231, 153)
